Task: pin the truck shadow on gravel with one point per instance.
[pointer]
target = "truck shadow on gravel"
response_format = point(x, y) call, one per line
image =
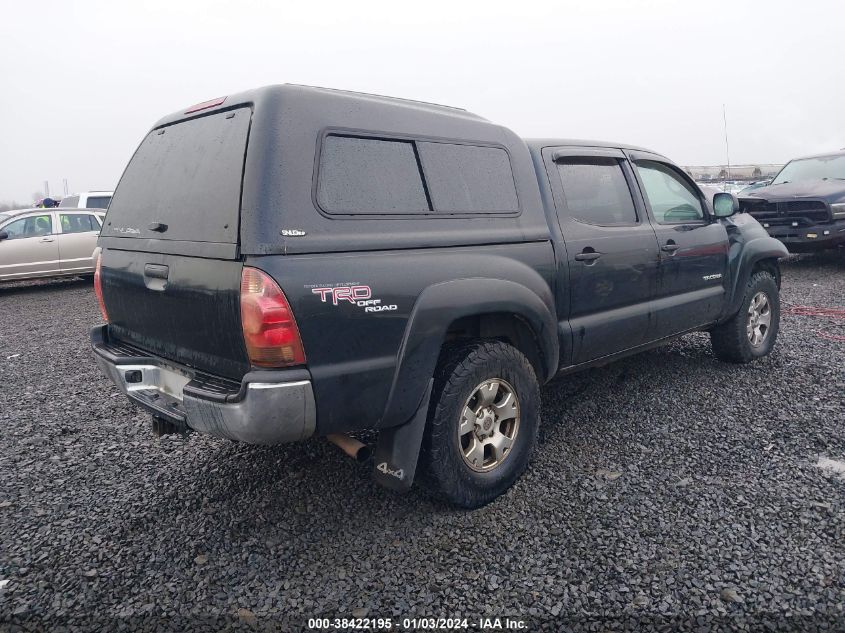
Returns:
point(292, 486)
point(13, 288)
point(669, 372)
point(832, 259)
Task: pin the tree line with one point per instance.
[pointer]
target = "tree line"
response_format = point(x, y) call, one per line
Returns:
point(11, 205)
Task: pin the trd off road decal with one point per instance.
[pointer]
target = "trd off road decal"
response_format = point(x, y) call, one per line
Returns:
point(357, 294)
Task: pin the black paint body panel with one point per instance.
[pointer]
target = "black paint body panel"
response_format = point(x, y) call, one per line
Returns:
point(354, 356)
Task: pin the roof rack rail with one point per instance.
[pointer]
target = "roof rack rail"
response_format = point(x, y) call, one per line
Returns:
point(373, 94)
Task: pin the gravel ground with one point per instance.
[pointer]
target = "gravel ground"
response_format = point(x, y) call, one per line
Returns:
point(669, 491)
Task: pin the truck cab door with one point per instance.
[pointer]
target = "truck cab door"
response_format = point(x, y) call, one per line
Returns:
point(30, 248)
point(693, 248)
point(610, 247)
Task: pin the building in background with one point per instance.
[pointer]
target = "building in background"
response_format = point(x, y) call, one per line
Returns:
point(746, 173)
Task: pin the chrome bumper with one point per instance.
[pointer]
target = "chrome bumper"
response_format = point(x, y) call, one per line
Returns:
point(262, 413)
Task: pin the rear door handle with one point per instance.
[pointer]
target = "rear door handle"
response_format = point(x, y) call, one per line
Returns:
point(46, 239)
point(588, 256)
point(155, 276)
point(670, 248)
point(156, 271)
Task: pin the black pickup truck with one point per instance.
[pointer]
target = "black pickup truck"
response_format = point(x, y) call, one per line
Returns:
point(804, 205)
point(296, 261)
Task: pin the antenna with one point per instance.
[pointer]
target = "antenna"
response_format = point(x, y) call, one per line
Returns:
point(727, 146)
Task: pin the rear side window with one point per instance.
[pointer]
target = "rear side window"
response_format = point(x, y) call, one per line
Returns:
point(362, 176)
point(468, 178)
point(596, 191)
point(78, 223)
point(97, 202)
point(70, 201)
point(365, 175)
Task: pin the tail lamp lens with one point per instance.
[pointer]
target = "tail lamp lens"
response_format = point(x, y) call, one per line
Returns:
point(270, 332)
point(98, 290)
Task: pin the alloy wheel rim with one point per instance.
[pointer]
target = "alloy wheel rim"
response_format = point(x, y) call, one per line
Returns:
point(488, 425)
point(759, 319)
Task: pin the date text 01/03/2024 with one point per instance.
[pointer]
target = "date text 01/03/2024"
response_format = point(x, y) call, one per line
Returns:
point(417, 624)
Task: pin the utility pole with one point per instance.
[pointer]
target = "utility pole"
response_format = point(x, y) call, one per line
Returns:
point(727, 147)
point(64, 180)
point(46, 188)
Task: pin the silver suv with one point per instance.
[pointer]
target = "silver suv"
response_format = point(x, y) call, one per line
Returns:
point(48, 242)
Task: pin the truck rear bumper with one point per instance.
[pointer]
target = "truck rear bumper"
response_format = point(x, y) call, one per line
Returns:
point(259, 412)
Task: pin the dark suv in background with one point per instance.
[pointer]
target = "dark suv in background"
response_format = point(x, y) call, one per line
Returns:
point(804, 206)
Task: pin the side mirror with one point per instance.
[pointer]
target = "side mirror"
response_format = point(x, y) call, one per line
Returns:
point(4, 235)
point(725, 204)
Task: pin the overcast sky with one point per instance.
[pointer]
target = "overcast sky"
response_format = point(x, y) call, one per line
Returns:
point(82, 82)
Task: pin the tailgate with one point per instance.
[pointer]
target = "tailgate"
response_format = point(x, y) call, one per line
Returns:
point(185, 309)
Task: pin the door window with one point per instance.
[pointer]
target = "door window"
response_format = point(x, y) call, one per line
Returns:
point(596, 191)
point(672, 199)
point(34, 226)
point(78, 223)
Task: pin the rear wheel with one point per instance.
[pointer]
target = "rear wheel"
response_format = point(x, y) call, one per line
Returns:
point(482, 423)
point(752, 331)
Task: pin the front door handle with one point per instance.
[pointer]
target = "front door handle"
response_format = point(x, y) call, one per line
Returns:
point(587, 256)
point(671, 247)
point(46, 239)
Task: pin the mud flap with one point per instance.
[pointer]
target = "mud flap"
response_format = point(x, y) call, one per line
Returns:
point(398, 449)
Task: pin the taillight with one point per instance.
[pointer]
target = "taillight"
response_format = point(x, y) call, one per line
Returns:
point(270, 332)
point(98, 290)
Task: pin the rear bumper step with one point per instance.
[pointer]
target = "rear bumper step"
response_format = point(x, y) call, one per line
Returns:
point(270, 410)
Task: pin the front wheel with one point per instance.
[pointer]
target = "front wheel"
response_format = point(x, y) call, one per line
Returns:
point(482, 423)
point(752, 331)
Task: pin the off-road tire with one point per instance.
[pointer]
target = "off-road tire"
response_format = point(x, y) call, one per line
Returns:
point(730, 340)
point(461, 369)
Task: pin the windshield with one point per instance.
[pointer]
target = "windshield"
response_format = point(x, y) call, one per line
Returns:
point(820, 168)
point(4, 217)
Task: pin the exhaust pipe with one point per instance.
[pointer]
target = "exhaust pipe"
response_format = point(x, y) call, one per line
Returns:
point(358, 451)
